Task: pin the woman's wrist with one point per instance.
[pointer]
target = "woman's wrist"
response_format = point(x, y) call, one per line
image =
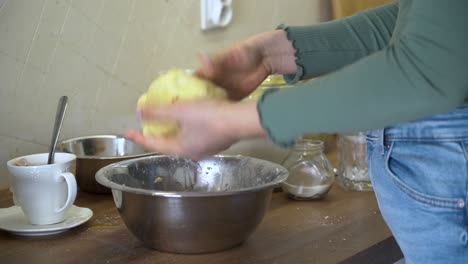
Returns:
point(277, 51)
point(243, 120)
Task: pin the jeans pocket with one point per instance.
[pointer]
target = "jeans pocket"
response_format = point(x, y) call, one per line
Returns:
point(420, 172)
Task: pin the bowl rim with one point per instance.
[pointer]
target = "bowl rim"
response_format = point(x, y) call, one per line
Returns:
point(103, 180)
point(61, 143)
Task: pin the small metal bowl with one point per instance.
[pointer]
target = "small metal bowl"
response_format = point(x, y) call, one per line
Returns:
point(95, 152)
point(182, 206)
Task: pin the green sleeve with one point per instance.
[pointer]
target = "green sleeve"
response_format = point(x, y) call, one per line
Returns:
point(326, 47)
point(423, 71)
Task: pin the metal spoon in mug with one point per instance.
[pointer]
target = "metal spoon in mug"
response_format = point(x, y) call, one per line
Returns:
point(61, 108)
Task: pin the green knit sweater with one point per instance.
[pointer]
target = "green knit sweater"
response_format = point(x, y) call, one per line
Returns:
point(396, 63)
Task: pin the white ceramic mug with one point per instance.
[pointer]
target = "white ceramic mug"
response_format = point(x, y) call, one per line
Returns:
point(44, 191)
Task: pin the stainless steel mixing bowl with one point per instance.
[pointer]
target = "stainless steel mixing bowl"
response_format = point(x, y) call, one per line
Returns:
point(95, 152)
point(182, 206)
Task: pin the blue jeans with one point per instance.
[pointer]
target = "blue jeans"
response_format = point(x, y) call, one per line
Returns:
point(419, 172)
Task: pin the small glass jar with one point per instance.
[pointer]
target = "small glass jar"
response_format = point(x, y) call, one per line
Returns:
point(352, 162)
point(310, 172)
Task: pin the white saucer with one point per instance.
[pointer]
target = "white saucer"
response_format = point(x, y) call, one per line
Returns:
point(12, 220)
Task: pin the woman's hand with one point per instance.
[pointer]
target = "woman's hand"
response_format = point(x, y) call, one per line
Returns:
point(205, 127)
point(243, 67)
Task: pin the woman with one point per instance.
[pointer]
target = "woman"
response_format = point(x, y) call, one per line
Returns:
point(402, 67)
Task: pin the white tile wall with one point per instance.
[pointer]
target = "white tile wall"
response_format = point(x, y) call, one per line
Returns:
point(19, 20)
point(103, 54)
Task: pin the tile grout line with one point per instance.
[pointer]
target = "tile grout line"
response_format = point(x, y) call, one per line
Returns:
point(122, 40)
point(2, 5)
point(88, 44)
point(28, 55)
point(23, 140)
point(57, 43)
point(155, 48)
point(114, 66)
point(71, 49)
point(54, 52)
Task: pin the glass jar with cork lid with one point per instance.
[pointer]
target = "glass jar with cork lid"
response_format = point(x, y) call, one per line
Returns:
point(310, 172)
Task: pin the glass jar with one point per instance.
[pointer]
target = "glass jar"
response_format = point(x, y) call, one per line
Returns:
point(352, 162)
point(310, 172)
point(329, 141)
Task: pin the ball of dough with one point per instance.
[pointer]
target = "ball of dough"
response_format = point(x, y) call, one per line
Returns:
point(175, 85)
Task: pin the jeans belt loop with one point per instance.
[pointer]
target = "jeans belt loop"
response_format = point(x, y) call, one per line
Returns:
point(382, 141)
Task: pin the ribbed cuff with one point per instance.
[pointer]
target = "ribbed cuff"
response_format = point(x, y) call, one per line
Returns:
point(292, 78)
point(326, 47)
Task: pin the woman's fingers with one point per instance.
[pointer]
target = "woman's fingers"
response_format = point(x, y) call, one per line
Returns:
point(206, 70)
point(163, 145)
point(162, 114)
point(136, 137)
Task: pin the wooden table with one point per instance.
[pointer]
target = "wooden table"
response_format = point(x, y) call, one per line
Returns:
point(344, 227)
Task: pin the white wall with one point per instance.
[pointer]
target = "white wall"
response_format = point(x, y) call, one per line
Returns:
point(103, 55)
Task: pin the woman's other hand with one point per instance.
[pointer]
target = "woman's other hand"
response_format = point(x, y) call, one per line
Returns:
point(242, 67)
